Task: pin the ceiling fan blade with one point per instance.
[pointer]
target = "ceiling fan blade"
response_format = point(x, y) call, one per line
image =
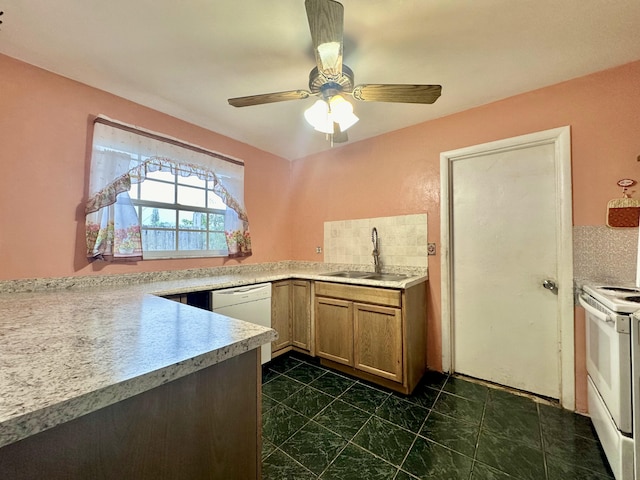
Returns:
point(326, 20)
point(338, 135)
point(397, 93)
point(269, 98)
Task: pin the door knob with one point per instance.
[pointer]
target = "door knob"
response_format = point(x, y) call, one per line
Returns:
point(550, 285)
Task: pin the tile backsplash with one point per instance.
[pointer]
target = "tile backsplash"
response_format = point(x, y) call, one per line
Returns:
point(605, 255)
point(402, 241)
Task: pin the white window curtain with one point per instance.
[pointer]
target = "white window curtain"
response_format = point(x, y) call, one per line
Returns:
point(121, 156)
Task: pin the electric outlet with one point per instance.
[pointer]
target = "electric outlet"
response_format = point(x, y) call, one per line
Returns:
point(318, 249)
point(431, 248)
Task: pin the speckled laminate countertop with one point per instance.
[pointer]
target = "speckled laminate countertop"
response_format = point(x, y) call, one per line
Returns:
point(79, 344)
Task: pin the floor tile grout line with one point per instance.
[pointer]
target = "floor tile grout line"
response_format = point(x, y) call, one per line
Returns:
point(296, 431)
point(415, 438)
point(542, 443)
point(371, 415)
point(339, 395)
point(373, 412)
point(346, 445)
point(295, 460)
point(351, 441)
point(397, 467)
point(303, 383)
point(475, 450)
point(423, 423)
point(402, 427)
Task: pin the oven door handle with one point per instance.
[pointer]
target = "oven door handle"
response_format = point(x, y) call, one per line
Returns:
point(605, 317)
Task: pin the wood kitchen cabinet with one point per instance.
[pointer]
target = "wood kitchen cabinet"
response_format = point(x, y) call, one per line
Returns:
point(377, 346)
point(334, 331)
point(201, 426)
point(281, 314)
point(301, 314)
point(373, 333)
point(291, 316)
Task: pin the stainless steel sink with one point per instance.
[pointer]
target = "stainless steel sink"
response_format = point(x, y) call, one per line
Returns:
point(367, 275)
point(348, 274)
point(386, 276)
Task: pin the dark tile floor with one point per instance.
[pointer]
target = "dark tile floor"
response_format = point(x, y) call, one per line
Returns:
point(318, 424)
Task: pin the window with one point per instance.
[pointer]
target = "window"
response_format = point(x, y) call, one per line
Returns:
point(156, 197)
point(179, 216)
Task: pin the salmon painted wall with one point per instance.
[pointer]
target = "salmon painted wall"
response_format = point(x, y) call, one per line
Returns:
point(45, 138)
point(399, 173)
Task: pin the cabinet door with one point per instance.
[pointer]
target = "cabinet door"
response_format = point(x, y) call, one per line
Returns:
point(281, 313)
point(301, 314)
point(334, 330)
point(378, 340)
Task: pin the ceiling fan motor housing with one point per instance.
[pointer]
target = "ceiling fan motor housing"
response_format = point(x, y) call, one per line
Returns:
point(321, 83)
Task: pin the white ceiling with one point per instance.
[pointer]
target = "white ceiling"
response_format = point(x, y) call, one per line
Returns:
point(186, 57)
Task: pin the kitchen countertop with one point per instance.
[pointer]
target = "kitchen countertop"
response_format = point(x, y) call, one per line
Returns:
point(78, 344)
point(173, 287)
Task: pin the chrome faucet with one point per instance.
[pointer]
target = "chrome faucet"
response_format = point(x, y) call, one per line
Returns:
point(376, 251)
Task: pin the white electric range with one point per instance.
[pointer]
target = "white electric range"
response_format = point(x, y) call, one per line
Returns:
point(610, 383)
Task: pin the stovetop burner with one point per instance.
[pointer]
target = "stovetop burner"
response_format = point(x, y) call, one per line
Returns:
point(621, 289)
point(621, 299)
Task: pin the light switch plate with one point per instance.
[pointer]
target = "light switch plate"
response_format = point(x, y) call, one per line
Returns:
point(431, 248)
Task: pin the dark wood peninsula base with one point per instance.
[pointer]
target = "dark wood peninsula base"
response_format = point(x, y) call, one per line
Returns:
point(206, 425)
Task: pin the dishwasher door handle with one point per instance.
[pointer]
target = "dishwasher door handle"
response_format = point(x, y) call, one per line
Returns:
point(243, 291)
point(238, 291)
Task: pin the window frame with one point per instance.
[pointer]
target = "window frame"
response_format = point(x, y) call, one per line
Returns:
point(131, 156)
point(176, 207)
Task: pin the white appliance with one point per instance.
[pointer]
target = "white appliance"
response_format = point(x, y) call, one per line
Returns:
point(635, 385)
point(251, 303)
point(609, 384)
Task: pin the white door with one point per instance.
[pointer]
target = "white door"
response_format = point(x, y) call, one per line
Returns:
point(505, 235)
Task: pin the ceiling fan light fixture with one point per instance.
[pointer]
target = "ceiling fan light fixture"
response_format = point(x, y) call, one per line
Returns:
point(342, 112)
point(331, 54)
point(324, 113)
point(317, 115)
point(347, 121)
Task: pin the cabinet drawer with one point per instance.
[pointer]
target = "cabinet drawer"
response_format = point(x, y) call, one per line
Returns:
point(355, 293)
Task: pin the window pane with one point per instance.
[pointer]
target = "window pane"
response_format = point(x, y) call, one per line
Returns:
point(191, 180)
point(161, 175)
point(154, 240)
point(214, 201)
point(191, 196)
point(158, 217)
point(192, 240)
point(192, 220)
point(133, 192)
point(157, 191)
point(216, 222)
point(217, 241)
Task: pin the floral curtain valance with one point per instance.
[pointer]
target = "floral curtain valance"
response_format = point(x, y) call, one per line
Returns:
point(108, 195)
point(113, 231)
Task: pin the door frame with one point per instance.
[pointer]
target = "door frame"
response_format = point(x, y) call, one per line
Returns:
point(561, 139)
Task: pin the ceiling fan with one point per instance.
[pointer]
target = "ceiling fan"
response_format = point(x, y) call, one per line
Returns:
point(331, 79)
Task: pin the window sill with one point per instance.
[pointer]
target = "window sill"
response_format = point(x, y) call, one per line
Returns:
point(181, 255)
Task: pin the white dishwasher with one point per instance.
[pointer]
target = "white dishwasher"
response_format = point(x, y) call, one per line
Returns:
point(251, 303)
